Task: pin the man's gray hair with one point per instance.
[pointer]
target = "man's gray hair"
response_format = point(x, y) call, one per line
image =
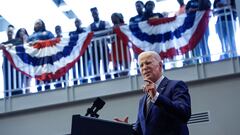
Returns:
point(152, 53)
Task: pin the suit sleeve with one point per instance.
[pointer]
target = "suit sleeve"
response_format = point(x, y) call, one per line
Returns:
point(178, 104)
point(137, 126)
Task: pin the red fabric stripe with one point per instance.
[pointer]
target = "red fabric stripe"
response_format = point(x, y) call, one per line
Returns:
point(136, 49)
point(121, 35)
point(197, 35)
point(157, 21)
point(169, 53)
point(46, 43)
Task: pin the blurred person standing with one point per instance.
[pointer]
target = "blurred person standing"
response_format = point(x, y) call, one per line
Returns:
point(40, 33)
point(85, 57)
point(120, 50)
point(139, 5)
point(202, 49)
point(22, 38)
point(149, 14)
point(100, 46)
point(58, 82)
point(58, 31)
point(226, 26)
point(8, 76)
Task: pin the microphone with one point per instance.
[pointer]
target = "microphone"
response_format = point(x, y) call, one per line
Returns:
point(97, 105)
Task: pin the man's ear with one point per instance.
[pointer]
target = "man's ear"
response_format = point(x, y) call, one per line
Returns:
point(160, 64)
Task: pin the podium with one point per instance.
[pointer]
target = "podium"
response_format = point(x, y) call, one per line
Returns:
point(82, 125)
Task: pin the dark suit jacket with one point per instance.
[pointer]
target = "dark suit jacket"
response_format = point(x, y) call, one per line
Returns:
point(169, 114)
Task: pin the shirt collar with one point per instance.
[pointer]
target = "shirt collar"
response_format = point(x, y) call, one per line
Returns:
point(157, 83)
point(97, 23)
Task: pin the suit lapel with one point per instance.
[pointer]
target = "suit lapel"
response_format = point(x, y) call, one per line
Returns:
point(162, 86)
point(144, 106)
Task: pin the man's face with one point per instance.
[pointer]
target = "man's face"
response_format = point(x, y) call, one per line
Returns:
point(115, 20)
point(139, 7)
point(22, 33)
point(95, 15)
point(10, 32)
point(58, 30)
point(149, 7)
point(38, 26)
point(78, 23)
point(150, 68)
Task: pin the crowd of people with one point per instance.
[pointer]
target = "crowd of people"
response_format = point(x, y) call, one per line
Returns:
point(99, 50)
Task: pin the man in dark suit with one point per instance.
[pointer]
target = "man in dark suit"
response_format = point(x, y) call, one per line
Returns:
point(140, 10)
point(100, 49)
point(169, 107)
point(149, 14)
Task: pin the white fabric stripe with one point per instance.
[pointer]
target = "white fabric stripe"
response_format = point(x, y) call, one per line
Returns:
point(159, 47)
point(48, 68)
point(43, 52)
point(162, 28)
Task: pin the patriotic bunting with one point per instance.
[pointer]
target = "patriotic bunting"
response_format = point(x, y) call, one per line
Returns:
point(167, 36)
point(48, 59)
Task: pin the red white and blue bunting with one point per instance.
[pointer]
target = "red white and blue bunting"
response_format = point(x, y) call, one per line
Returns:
point(167, 36)
point(48, 59)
